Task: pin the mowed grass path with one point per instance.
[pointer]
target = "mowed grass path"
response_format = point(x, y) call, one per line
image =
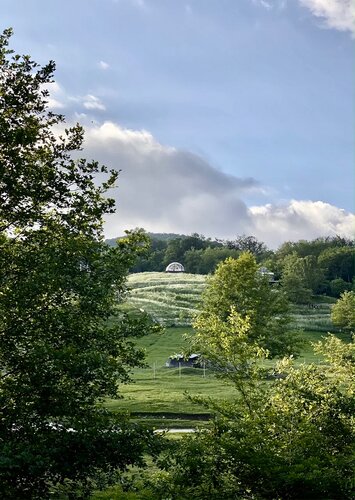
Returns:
point(174, 300)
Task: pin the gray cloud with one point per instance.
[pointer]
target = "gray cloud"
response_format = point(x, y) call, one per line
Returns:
point(161, 188)
point(167, 190)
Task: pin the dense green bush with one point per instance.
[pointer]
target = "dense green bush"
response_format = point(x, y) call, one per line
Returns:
point(291, 438)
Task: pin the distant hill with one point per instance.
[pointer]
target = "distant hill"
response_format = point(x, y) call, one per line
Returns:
point(154, 236)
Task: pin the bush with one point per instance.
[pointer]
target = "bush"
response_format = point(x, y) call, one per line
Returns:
point(339, 286)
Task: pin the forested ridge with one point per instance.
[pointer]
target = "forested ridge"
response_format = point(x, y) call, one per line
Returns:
point(322, 266)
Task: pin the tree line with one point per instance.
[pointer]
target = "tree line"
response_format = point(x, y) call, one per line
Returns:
point(323, 266)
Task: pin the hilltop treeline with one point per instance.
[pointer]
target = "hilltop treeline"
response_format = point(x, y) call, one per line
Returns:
point(320, 266)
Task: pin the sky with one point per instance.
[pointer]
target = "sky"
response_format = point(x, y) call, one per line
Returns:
point(225, 117)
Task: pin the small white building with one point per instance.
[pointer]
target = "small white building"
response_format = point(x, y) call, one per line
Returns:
point(175, 267)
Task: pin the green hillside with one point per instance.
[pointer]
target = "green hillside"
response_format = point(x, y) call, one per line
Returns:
point(172, 299)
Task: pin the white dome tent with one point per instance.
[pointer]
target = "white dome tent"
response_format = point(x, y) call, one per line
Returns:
point(175, 267)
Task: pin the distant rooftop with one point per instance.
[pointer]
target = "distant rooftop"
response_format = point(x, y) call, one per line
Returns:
point(263, 271)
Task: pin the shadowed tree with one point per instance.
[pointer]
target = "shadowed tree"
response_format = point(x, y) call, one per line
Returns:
point(64, 345)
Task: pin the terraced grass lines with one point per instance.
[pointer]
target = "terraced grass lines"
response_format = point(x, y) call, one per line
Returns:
point(172, 299)
point(314, 317)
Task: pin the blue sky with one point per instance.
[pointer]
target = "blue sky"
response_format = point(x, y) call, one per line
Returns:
point(225, 116)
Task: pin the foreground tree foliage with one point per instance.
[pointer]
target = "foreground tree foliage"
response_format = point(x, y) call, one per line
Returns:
point(63, 344)
point(343, 312)
point(289, 433)
point(292, 437)
point(237, 283)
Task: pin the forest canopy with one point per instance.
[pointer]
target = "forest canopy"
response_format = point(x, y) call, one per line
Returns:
point(323, 266)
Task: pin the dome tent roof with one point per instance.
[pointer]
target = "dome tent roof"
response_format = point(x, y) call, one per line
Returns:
point(175, 267)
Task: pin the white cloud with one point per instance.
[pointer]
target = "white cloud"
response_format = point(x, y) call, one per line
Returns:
point(59, 99)
point(299, 219)
point(263, 3)
point(92, 102)
point(56, 98)
point(103, 65)
point(276, 5)
point(162, 188)
point(336, 14)
point(165, 189)
point(136, 3)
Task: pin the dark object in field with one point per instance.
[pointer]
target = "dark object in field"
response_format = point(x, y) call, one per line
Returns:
point(193, 361)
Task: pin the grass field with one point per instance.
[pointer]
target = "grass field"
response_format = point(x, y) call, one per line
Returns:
point(163, 390)
point(159, 395)
point(173, 299)
point(158, 391)
point(315, 318)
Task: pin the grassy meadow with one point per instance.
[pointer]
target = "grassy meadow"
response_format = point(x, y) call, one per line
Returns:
point(173, 299)
point(157, 389)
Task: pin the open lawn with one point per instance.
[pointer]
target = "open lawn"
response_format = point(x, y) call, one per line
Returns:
point(158, 390)
point(173, 300)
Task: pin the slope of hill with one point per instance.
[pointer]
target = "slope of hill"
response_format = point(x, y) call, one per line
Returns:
point(172, 299)
point(154, 236)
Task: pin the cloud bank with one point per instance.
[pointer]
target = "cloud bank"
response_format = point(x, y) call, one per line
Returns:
point(164, 189)
point(336, 14)
point(300, 219)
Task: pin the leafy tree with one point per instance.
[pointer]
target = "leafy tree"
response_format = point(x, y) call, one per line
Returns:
point(192, 261)
point(152, 258)
point(315, 247)
point(238, 283)
point(321, 257)
point(338, 262)
point(64, 344)
point(205, 261)
point(250, 244)
point(292, 437)
point(313, 273)
point(343, 312)
point(177, 247)
point(338, 286)
point(294, 280)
